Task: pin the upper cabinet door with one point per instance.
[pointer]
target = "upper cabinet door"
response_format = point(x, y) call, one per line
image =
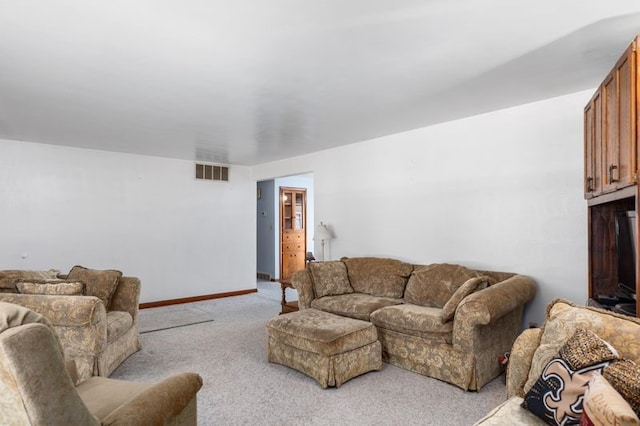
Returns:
point(610, 133)
point(618, 92)
point(593, 146)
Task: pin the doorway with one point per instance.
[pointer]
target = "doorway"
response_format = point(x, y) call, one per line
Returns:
point(293, 230)
point(268, 221)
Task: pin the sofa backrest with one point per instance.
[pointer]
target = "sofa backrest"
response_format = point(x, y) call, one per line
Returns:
point(9, 278)
point(564, 318)
point(382, 277)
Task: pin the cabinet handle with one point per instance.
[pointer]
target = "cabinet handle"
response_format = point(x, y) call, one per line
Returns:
point(589, 184)
point(612, 167)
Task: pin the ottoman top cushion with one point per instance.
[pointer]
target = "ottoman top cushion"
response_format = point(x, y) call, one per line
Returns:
point(321, 332)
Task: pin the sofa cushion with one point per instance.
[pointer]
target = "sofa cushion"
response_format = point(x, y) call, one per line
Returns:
point(354, 305)
point(433, 285)
point(99, 283)
point(9, 277)
point(471, 285)
point(378, 276)
point(58, 287)
point(419, 321)
point(603, 405)
point(563, 318)
point(329, 278)
point(321, 332)
point(624, 376)
point(556, 397)
point(510, 412)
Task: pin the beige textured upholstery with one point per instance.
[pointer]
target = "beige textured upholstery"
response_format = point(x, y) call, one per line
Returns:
point(330, 348)
point(535, 347)
point(36, 389)
point(97, 339)
point(407, 309)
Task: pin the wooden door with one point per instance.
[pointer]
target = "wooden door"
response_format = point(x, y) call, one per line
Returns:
point(293, 231)
point(593, 146)
point(618, 93)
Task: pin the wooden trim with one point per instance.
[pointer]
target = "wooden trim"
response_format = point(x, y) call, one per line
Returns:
point(628, 192)
point(196, 298)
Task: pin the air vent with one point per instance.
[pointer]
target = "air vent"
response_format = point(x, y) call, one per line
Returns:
point(211, 172)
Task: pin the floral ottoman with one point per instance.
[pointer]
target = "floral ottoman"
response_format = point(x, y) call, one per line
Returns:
point(327, 347)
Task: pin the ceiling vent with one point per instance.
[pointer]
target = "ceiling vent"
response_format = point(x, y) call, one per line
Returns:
point(211, 172)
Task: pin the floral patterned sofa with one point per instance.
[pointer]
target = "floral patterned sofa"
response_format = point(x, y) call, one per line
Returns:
point(596, 389)
point(93, 312)
point(443, 321)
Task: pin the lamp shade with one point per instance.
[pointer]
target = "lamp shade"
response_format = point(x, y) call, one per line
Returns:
point(322, 233)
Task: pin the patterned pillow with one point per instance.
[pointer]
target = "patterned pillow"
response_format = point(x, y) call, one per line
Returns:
point(52, 288)
point(603, 405)
point(556, 397)
point(329, 278)
point(471, 285)
point(433, 285)
point(101, 284)
point(624, 376)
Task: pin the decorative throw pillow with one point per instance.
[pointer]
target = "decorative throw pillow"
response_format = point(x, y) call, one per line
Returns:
point(60, 288)
point(329, 278)
point(433, 285)
point(624, 376)
point(556, 397)
point(101, 284)
point(604, 406)
point(378, 276)
point(471, 285)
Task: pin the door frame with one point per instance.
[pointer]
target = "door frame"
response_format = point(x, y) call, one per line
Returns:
point(281, 191)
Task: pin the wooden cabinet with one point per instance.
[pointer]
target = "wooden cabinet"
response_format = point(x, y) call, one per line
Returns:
point(293, 244)
point(610, 130)
point(611, 174)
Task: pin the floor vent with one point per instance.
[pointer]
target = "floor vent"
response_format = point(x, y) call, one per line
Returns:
point(264, 276)
point(211, 172)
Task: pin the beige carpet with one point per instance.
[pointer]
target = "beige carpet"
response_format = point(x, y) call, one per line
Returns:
point(242, 388)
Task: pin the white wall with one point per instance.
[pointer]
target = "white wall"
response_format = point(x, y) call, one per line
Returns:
point(145, 216)
point(499, 191)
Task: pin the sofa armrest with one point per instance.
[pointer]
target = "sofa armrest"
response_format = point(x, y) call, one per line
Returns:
point(158, 404)
point(127, 296)
point(79, 321)
point(488, 306)
point(520, 360)
point(301, 281)
point(68, 311)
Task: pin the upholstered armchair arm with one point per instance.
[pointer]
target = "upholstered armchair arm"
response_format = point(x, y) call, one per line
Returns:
point(79, 321)
point(520, 360)
point(488, 306)
point(126, 297)
point(301, 281)
point(159, 404)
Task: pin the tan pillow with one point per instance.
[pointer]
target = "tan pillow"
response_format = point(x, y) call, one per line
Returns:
point(329, 278)
point(470, 286)
point(433, 285)
point(101, 284)
point(380, 277)
point(51, 288)
point(603, 405)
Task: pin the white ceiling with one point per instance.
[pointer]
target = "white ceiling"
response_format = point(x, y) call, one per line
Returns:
point(251, 81)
